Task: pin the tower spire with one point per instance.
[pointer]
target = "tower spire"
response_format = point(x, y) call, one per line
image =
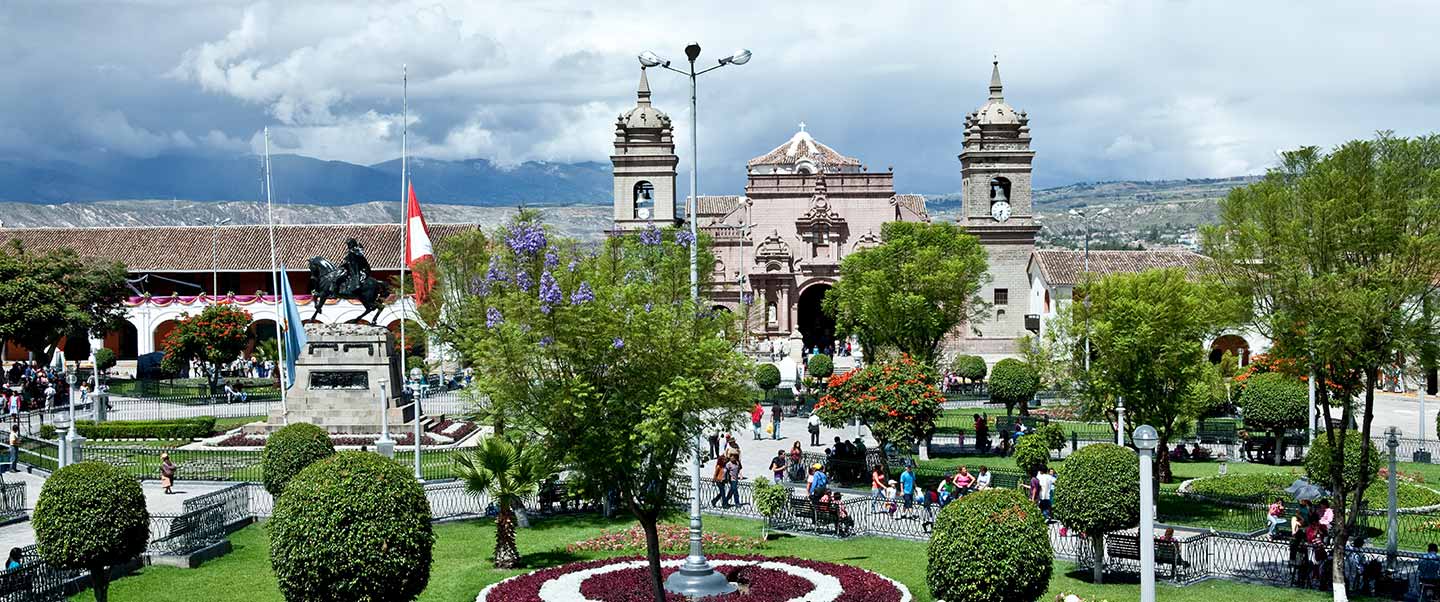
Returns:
point(996, 90)
point(643, 94)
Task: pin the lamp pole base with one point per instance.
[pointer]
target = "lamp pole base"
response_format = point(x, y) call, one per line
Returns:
point(698, 581)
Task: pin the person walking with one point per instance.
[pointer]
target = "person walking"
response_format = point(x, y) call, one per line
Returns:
point(714, 440)
point(757, 415)
point(732, 480)
point(1044, 482)
point(814, 426)
point(877, 487)
point(907, 491)
point(719, 480)
point(15, 449)
point(167, 473)
point(777, 413)
point(777, 465)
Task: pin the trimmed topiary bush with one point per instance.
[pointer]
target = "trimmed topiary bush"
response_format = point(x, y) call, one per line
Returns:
point(969, 367)
point(1032, 453)
point(47, 432)
point(91, 516)
point(1318, 461)
point(1273, 402)
point(104, 359)
point(1013, 383)
point(767, 377)
point(1054, 436)
point(820, 366)
point(289, 451)
point(1097, 491)
point(355, 526)
point(989, 546)
point(198, 427)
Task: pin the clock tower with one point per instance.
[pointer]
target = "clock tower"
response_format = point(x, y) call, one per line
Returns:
point(997, 206)
point(644, 165)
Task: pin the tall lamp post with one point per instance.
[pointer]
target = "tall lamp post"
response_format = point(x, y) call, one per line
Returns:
point(1086, 218)
point(214, 253)
point(1146, 439)
point(696, 578)
point(1392, 441)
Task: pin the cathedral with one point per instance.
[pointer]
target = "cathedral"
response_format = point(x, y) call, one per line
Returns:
point(806, 206)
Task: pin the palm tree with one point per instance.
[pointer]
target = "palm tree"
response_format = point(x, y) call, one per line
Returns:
point(509, 471)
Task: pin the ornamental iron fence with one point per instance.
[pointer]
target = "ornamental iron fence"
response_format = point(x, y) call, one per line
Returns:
point(12, 501)
point(191, 531)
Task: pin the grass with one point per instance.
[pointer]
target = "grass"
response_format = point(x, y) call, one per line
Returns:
point(225, 424)
point(460, 570)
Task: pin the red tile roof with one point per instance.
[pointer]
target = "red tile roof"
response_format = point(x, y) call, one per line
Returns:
point(1065, 267)
point(237, 248)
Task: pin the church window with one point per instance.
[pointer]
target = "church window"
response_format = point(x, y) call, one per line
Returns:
point(644, 200)
point(1047, 301)
point(999, 190)
point(719, 267)
point(1002, 296)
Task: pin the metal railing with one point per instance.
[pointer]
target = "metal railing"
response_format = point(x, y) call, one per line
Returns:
point(233, 502)
point(181, 534)
point(35, 580)
point(12, 501)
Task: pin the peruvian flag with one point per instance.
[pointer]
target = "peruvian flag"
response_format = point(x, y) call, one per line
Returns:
point(419, 252)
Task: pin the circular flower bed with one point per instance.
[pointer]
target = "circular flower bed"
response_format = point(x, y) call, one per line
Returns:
point(758, 578)
point(1265, 487)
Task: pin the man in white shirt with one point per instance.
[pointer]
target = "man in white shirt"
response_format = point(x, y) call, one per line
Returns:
point(1047, 486)
point(814, 429)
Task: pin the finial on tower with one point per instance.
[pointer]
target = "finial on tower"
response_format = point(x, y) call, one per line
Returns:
point(996, 90)
point(643, 94)
point(802, 126)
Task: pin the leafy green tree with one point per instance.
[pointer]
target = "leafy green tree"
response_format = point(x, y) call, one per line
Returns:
point(972, 368)
point(48, 296)
point(1334, 251)
point(509, 471)
point(1274, 402)
point(771, 499)
point(91, 516)
point(820, 367)
point(1014, 383)
point(1054, 436)
point(599, 355)
point(912, 291)
point(767, 377)
point(1032, 453)
point(216, 336)
point(1148, 332)
point(1097, 490)
point(104, 360)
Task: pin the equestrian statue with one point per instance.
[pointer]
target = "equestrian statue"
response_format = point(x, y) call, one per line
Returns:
point(349, 281)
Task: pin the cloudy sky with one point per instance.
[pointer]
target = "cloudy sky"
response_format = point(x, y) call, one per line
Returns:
point(1115, 90)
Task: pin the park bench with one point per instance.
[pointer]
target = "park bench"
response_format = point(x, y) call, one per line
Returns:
point(1259, 449)
point(1128, 546)
point(825, 517)
point(1217, 431)
point(1005, 480)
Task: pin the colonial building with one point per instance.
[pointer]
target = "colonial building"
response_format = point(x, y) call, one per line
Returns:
point(175, 271)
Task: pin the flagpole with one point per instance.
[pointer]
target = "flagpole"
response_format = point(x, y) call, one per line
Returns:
point(405, 251)
point(275, 286)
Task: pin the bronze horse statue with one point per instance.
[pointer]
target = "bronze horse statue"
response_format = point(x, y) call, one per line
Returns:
point(330, 282)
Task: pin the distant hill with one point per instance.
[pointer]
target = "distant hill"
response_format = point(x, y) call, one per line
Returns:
point(304, 180)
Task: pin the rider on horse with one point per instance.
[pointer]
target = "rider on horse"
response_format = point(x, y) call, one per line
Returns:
point(356, 268)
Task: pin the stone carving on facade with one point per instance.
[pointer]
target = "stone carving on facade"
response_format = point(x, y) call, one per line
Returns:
point(773, 254)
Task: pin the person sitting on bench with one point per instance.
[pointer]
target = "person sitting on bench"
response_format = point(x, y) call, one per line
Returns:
point(1429, 569)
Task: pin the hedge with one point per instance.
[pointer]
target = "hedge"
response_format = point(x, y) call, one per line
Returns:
point(1265, 487)
point(291, 450)
point(989, 546)
point(179, 428)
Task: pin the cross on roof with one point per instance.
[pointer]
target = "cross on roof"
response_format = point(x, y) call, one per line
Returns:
point(802, 126)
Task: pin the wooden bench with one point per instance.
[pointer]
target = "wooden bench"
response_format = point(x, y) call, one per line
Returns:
point(824, 516)
point(1217, 431)
point(1259, 449)
point(1128, 546)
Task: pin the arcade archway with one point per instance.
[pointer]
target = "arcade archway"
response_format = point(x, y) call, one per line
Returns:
point(1233, 343)
point(816, 328)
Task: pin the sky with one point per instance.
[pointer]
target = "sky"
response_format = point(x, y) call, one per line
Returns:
point(1114, 90)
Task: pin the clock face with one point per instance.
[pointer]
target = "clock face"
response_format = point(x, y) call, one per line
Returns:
point(1000, 211)
point(643, 213)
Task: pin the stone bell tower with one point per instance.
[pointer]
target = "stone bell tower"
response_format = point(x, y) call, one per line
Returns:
point(644, 163)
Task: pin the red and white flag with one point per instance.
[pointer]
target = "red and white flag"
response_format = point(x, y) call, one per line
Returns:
point(418, 249)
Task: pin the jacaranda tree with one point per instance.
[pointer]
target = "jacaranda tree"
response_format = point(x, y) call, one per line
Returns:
point(597, 353)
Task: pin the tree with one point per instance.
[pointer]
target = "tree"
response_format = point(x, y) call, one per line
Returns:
point(509, 471)
point(767, 377)
point(104, 360)
point(1335, 253)
point(1097, 491)
point(291, 450)
point(820, 367)
point(48, 296)
point(1032, 453)
point(969, 367)
point(354, 526)
point(1013, 383)
point(91, 516)
point(912, 291)
point(1273, 401)
point(1148, 332)
point(573, 346)
point(770, 500)
point(216, 336)
point(898, 400)
point(989, 546)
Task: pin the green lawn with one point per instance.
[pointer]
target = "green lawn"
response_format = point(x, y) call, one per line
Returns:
point(225, 424)
point(460, 570)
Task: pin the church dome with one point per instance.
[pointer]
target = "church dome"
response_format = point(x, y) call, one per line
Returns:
point(996, 111)
point(802, 153)
point(643, 115)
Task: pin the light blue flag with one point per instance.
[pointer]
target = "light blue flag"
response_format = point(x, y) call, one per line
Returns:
point(294, 331)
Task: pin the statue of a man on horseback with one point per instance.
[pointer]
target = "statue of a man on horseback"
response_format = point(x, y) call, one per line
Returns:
point(349, 281)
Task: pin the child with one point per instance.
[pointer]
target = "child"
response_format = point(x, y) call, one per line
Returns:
point(890, 494)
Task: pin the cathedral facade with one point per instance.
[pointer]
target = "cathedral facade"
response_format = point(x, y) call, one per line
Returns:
point(807, 206)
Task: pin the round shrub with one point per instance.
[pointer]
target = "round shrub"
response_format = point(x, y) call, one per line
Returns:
point(289, 451)
point(1032, 453)
point(1097, 490)
point(1318, 461)
point(1013, 382)
point(767, 377)
point(104, 359)
point(990, 546)
point(820, 366)
point(355, 526)
point(969, 367)
point(1054, 436)
point(1274, 401)
point(91, 516)
point(47, 432)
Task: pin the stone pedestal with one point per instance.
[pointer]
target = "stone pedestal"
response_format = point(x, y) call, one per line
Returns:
point(337, 381)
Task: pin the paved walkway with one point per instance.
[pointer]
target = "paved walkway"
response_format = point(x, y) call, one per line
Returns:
point(755, 455)
point(156, 501)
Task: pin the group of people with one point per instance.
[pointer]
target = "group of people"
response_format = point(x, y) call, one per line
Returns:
point(29, 385)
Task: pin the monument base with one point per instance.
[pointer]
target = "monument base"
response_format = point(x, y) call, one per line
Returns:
point(347, 375)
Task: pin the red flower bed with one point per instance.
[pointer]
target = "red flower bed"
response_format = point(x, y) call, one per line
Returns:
point(673, 538)
point(758, 584)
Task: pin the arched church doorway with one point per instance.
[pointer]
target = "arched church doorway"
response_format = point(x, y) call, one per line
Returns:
point(816, 328)
point(1235, 344)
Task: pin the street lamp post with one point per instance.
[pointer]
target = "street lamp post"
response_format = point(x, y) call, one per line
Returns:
point(1392, 441)
point(1146, 439)
point(73, 440)
point(214, 253)
point(1085, 218)
point(696, 578)
point(385, 446)
point(1120, 421)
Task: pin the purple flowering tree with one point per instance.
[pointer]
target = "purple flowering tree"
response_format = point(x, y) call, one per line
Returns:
point(605, 360)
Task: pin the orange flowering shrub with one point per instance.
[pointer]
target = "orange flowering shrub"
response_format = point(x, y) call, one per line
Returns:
point(897, 400)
